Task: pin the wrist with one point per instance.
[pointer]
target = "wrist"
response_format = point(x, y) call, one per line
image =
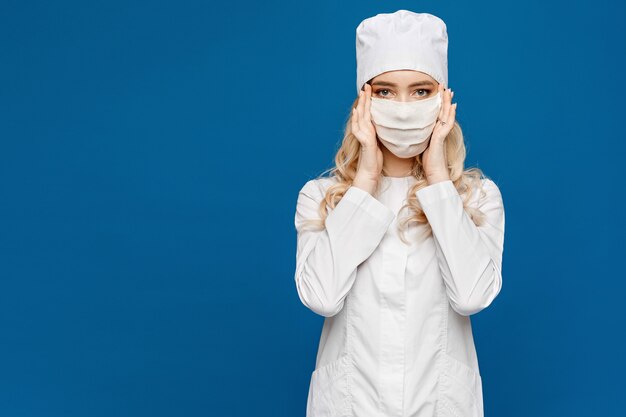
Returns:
point(435, 178)
point(365, 183)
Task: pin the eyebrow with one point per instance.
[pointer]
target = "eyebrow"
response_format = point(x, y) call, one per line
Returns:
point(390, 84)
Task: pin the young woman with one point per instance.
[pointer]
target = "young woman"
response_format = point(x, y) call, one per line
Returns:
point(400, 244)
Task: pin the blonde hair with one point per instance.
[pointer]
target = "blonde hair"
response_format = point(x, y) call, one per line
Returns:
point(346, 163)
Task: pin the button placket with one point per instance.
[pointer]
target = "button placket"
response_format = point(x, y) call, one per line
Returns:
point(392, 327)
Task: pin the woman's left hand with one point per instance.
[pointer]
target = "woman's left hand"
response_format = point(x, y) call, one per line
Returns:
point(434, 157)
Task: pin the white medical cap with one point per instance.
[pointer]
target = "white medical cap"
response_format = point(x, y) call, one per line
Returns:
point(401, 40)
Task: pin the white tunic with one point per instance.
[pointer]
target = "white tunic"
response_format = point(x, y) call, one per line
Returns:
point(397, 338)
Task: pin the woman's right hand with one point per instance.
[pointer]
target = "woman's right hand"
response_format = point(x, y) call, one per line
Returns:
point(371, 158)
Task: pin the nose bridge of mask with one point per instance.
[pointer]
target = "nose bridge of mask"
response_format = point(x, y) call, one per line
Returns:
point(405, 115)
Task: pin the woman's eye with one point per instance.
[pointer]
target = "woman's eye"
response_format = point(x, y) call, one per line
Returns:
point(422, 95)
point(378, 92)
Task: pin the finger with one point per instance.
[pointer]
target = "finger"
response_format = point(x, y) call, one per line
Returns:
point(359, 106)
point(363, 115)
point(452, 115)
point(355, 120)
point(368, 103)
point(449, 120)
point(444, 112)
point(441, 109)
point(446, 105)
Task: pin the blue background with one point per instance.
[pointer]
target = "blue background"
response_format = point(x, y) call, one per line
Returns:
point(151, 154)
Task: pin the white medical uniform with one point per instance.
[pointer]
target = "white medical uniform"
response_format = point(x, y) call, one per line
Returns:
point(397, 338)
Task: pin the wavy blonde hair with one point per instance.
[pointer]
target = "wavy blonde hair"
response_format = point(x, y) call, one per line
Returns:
point(347, 160)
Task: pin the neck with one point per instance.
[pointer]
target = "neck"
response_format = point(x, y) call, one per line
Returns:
point(394, 166)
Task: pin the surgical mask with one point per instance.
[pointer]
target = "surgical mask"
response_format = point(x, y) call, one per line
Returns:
point(405, 127)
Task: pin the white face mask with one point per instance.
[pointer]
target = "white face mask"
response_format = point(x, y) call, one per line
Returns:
point(405, 127)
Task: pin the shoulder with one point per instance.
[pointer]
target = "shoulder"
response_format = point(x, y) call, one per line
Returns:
point(491, 188)
point(316, 187)
point(488, 194)
point(309, 198)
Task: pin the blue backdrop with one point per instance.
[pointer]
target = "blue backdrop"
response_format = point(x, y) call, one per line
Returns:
point(151, 154)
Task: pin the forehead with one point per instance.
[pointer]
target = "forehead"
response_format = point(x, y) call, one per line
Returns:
point(401, 77)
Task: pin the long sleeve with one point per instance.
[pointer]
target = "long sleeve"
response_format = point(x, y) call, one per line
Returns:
point(327, 260)
point(469, 256)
